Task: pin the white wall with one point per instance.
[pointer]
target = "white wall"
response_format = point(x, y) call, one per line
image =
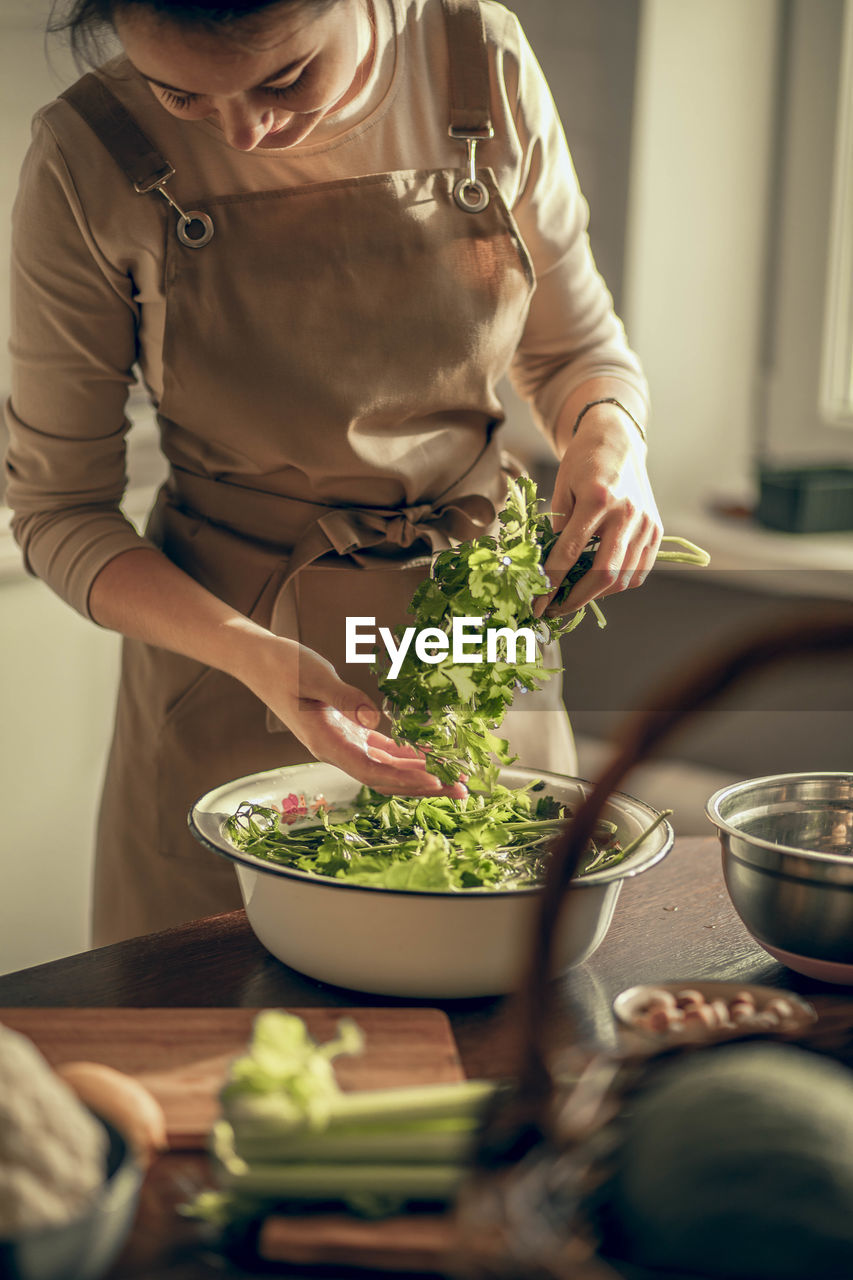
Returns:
point(57, 672)
point(27, 81)
point(695, 235)
point(57, 680)
point(793, 427)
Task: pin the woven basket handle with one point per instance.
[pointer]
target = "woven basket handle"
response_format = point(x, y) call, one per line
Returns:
point(828, 631)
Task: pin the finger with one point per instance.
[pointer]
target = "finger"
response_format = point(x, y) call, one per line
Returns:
point(404, 751)
point(408, 764)
point(608, 565)
point(403, 787)
point(625, 573)
point(559, 519)
point(385, 776)
point(382, 750)
point(361, 753)
point(456, 790)
point(640, 556)
point(639, 562)
point(649, 556)
point(565, 553)
point(595, 584)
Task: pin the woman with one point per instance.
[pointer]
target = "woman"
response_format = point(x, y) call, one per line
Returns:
point(321, 230)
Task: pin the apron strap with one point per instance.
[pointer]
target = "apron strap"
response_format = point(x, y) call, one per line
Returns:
point(131, 148)
point(470, 94)
point(134, 152)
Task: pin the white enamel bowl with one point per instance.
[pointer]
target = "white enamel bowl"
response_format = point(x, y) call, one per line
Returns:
point(396, 942)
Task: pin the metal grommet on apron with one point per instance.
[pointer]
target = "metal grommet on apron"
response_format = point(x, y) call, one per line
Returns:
point(470, 193)
point(194, 229)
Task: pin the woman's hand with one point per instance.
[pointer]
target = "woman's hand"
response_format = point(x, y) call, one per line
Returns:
point(337, 723)
point(602, 489)
point(144, 595)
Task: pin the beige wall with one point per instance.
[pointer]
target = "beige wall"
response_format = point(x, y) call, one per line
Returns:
point(57, 677)
point(26, 83)
point(700, 172)
point(724, 298)
point(56, 671)
point(793, 427)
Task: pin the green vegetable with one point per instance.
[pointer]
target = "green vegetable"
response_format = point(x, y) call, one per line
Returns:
point(288, 1132)
point(736, 1161)
point(493, 841)
point(452, 710)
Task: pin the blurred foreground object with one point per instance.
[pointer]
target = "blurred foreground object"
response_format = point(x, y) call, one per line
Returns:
point(69, 1181)
point(728, 1157)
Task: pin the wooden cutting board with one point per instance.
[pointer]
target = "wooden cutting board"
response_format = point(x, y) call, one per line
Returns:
point(181, 1055)
point(410, 1243)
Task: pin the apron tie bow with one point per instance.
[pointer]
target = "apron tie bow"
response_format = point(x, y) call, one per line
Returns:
point(356, 529)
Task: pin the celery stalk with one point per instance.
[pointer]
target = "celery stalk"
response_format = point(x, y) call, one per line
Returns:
point(289, 1132)
point(309, 1180)
point(368, 1145)
point(464, 1098)
point(306, 1181)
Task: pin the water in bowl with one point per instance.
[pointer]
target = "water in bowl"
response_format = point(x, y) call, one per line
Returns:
point(817, 829)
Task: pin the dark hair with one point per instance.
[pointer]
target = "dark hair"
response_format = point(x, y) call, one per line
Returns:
point(88, 24)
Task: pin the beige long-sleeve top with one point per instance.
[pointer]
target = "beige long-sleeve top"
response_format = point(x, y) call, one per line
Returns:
point(88, 302)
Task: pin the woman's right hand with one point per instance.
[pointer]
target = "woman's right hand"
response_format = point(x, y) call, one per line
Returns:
point(142, 594)
point(337, 722)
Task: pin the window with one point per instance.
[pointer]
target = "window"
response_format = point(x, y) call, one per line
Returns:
point(836, 387)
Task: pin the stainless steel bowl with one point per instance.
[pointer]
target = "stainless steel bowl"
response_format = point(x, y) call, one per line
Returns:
point(787, 844)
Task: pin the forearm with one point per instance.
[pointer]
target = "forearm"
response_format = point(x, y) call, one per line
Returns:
point(603, 419)
point(141, 594)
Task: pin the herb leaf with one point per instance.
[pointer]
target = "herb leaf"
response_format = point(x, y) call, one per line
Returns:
point(497, 840)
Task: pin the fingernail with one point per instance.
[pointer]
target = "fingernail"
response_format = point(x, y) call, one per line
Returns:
point(367, 716)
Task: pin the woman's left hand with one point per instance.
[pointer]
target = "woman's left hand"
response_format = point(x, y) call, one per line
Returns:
point(603, 490)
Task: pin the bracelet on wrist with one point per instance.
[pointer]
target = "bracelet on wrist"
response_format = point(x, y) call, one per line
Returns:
point(607, 400)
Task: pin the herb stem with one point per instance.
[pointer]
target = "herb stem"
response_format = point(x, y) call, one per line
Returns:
point(638, 840)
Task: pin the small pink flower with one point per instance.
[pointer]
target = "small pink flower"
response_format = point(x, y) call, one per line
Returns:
point(293, 807)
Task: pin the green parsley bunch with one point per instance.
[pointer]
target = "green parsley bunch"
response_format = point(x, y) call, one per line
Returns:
point(452, 710)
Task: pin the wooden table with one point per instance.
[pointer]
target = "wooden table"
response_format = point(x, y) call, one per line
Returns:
point(674, 923)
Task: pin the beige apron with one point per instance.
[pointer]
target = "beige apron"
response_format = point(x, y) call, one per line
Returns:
point(315, 344)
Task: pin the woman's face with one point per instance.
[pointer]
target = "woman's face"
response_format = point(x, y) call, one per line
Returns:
point(267, 85)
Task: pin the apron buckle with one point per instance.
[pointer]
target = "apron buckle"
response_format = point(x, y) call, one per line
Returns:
point(186, 219)
point(470, 193)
